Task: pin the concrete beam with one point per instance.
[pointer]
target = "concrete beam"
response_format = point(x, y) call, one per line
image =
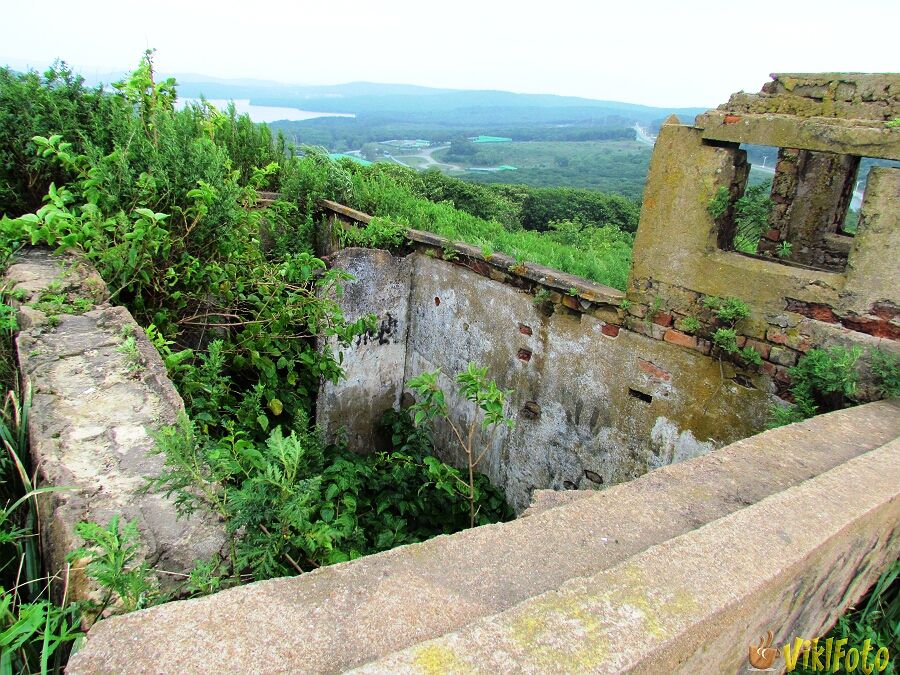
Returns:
point(791, 563)
point(93, 411)
point(874, 139)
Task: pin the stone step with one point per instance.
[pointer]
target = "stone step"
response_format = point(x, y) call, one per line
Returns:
point(791, 564)
point(350, 614)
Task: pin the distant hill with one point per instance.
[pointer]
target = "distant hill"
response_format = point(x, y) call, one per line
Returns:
point(374, 98)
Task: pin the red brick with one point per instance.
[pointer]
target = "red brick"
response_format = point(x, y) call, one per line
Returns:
point(662, 319)
point(524, 330)
point(731, 119)
point(769, 368)
point(873, 326)
point(524, 355)
point(885, 310)
point(676, 337)
point(741, 340)
point(814, 310)
point(776, 336)
point(773, 235)
point(609, 330)
point(761, 348)
point(653, 370)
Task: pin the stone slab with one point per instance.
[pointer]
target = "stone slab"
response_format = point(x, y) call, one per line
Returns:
point(93, 411)
point(815, 133)
point(346, 615)
point(791, 563)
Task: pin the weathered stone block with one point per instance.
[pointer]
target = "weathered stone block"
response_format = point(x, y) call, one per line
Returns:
point(782, 356)
point(93, 414)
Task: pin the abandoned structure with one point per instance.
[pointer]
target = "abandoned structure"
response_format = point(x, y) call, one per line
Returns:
point(657, 532)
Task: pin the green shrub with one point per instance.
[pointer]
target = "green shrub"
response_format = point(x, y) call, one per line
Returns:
point(885, 373)
point(822, 381)
point(294, 503)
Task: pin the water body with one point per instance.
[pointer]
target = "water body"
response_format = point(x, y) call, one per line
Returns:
point(264, 113)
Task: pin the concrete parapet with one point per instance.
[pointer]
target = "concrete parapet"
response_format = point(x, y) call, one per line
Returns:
point(790, 564)
point(94, 407)
point(352, 613)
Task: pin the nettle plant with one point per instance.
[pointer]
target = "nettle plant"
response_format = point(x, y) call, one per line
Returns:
point(488, 415)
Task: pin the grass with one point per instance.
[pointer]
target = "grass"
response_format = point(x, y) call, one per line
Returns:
point(601, 254)
point(608, 166)
point(412, 161)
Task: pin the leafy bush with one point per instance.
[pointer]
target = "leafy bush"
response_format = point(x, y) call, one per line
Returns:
point(294, 503)
point(751, 212)
point(885, 372)
point(164, 203)
point(729, 312)
point(822, 381)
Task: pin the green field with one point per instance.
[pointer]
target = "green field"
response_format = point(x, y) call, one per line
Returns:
point(608, 166)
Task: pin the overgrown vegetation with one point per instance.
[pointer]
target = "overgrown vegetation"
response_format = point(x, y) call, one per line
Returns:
point(825, 380)
point(875, 618)
point(489, 401)
point(594, 251)
point(164, 203)
point(728, 312)
point(750, 213)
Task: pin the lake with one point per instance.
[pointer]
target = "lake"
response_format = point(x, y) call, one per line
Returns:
point(264, 113)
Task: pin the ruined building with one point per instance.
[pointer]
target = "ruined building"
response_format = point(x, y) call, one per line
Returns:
point(659, 529)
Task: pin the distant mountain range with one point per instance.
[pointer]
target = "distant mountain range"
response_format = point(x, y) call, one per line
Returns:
point(375, 98)
point(412, 102)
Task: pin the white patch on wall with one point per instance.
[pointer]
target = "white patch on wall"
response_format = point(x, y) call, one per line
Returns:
point(671, 445)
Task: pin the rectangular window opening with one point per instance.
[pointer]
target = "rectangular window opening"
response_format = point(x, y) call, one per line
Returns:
point(798, 207)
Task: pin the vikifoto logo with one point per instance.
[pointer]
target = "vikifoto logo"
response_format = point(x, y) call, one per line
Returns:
point(825, 656)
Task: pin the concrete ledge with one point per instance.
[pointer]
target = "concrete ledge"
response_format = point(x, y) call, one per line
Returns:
point(824, 134)
point(791, 564)
point(586, 292)
point(345, 615)
point(93, 406)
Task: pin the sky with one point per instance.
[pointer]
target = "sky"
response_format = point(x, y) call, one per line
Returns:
point(657, 53)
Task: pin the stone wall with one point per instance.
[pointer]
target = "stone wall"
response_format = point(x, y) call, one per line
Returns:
point(95, 405)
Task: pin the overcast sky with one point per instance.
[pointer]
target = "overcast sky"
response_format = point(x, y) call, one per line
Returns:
point(659, 53)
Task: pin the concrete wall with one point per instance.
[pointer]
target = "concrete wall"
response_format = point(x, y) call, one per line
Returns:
point(93, 412)
point(591, 408)
point(374, 364)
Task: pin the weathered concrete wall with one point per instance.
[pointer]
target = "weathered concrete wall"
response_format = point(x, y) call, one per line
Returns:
point(94, 407)
point(374, 364)
point(590, 409)
point(592, 406)
point(699, 559)
point(793, 308)
point(842, 113)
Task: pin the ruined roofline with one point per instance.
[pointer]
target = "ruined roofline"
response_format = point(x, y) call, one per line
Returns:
point(843, 113)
